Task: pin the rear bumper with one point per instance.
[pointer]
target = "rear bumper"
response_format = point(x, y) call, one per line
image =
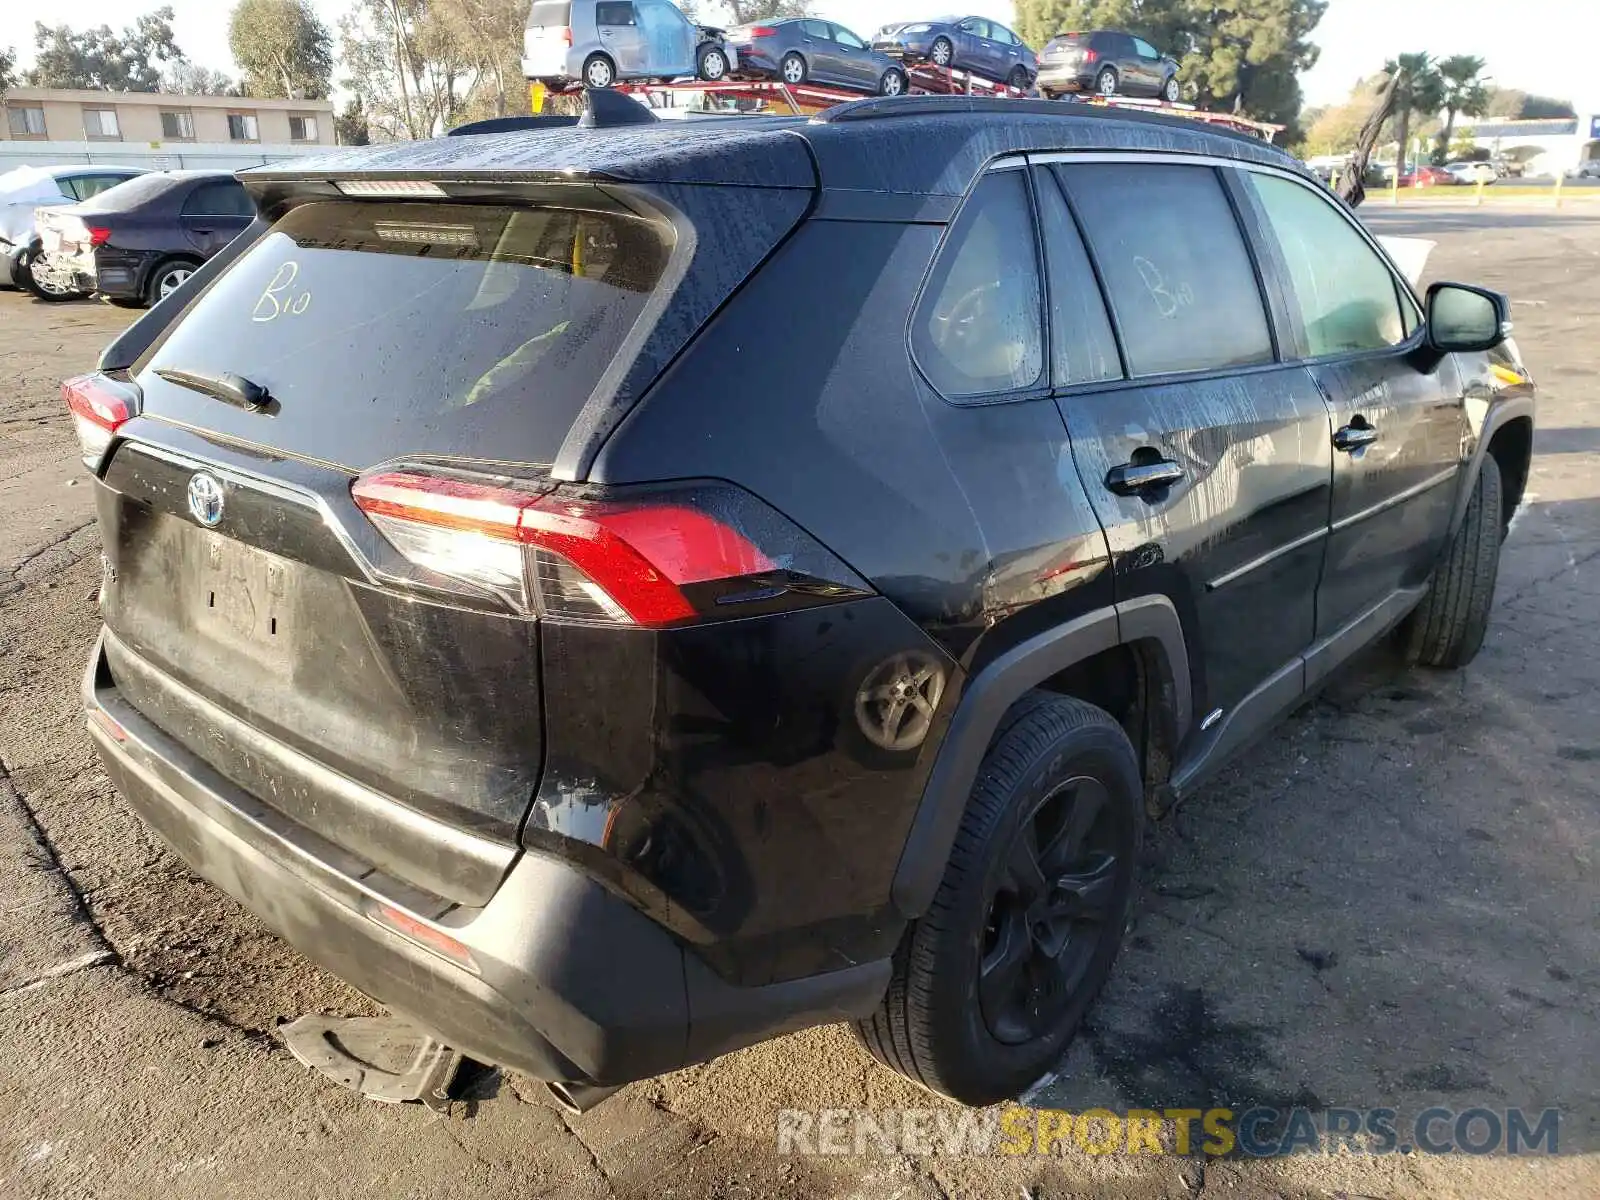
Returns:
point(570, 982)
point(1065, 78)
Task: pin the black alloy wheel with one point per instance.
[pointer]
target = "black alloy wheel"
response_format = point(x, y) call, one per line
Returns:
point(1049, 912)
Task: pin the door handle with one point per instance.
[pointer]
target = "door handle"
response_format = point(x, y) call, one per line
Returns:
point(1353, 437)
point(1134, 479)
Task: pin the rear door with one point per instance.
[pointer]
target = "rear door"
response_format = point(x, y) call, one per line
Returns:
point(821, 51)
point(1206, 459)
point(984, 56)
point(214, 214)
point(617, 22)
point(1399, 420)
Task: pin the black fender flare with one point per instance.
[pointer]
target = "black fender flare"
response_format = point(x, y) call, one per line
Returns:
point(1501, 412)
point(985, 700)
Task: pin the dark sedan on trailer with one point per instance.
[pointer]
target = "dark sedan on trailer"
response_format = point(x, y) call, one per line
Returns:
point(136, 242)
point(806, 50)
point(974, 44)
point(1107, 61)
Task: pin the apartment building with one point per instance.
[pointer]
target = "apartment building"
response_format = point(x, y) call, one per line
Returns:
point(157, 120)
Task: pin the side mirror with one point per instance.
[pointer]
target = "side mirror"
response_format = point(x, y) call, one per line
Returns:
point(1466, 318)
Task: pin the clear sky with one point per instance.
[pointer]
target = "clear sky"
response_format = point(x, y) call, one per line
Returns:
point(1519, 38)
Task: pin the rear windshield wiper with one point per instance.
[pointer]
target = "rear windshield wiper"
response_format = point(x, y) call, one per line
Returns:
point(225, 386)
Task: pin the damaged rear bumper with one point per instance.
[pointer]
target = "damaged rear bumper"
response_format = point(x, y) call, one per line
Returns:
point(565, 982)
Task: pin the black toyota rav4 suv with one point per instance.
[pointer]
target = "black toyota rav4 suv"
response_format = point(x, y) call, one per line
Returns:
point(615, 594)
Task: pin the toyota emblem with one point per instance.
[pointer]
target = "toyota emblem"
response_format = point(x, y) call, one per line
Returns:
point(205, 499)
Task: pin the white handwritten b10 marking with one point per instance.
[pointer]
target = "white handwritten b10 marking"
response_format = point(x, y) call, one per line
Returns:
point(278, 300)
point(1168, 300)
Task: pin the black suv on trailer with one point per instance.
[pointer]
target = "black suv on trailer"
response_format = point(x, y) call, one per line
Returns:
point(617, 594)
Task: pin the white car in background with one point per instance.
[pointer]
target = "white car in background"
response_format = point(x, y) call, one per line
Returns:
point(28, 188)
point(1466, 171)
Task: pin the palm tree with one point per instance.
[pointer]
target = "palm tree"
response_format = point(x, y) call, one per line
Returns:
point(1420, 91)
point(1465, 94)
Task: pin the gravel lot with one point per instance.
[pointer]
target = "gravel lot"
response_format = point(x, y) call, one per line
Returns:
point(1393, 901)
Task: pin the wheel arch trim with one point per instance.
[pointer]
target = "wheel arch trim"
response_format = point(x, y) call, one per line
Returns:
point(1500, 414)
point(987, 697)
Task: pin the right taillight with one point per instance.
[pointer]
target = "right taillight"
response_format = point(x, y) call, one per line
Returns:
point(1090, 56)
point(99, 406)
point(663, 557)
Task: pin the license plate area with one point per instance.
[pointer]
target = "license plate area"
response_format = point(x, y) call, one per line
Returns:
point(245, 597)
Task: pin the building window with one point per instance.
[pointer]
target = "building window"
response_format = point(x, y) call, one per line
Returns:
point(26, 122)
point(178, 126)
point(242, 127)
point(302, 129)
point(101, 123)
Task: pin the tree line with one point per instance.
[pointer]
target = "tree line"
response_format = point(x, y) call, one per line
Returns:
point(412, 68)
point(1432, 94)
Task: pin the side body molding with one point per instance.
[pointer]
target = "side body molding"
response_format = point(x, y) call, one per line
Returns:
point(988, 696)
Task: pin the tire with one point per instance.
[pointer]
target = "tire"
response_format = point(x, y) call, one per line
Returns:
point(712, 64)
point(793, 68)
point(1169, 90)
point(948, 1021)
point(165, 278)
point(893, 83)
point(1106, 82)
point(941, 52)
point(25, 279)
point(1446, 630)
point(599, 71)
point(1019, 78)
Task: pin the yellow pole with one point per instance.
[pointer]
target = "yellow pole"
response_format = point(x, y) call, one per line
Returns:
point(1394, 186)
point(1560, 177)
point(1478, 200)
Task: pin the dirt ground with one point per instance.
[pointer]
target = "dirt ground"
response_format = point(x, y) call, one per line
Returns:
point(1392, 902)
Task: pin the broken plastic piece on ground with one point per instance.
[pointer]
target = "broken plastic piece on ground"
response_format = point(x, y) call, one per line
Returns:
point(383, 1058)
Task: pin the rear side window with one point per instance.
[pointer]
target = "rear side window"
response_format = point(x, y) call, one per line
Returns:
point(1346, 295)
point(1175, 266)
point(219, 200)
point(818, 29)
point(385, 328)
point(1082, 349)
point(979, 328)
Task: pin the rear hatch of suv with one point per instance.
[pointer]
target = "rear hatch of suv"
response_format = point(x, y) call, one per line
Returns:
point(318, 652)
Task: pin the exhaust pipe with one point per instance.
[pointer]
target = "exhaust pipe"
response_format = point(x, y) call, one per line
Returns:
point(579, 1097)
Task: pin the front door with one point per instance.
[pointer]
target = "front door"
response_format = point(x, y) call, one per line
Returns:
point(1398, 419)
point(1148, 64)
point(1208, 462)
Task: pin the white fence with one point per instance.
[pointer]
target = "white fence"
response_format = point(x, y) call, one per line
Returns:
point(162, 156)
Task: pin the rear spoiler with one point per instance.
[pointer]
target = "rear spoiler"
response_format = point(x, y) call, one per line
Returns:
point(133, 341)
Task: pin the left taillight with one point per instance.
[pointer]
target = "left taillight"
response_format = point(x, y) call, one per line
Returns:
point(665, 556)
point(99, 235)
point(99, 406)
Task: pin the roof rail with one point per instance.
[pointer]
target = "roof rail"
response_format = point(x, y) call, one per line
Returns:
point(879, 107)
point(876, 107)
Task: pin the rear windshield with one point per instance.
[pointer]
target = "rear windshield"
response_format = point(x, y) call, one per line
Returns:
point(133, 192)
point(548, 14)
point(383, 329)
